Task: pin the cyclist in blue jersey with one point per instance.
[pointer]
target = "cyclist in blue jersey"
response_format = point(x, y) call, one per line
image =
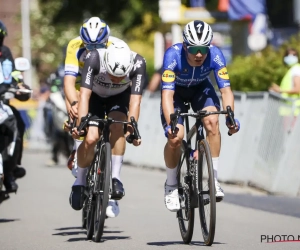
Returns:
point(185, 78)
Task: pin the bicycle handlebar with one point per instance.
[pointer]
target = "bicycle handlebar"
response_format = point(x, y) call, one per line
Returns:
point(84, 122)
point(200, 114)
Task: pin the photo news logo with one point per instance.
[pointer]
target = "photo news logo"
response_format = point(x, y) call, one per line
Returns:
point(265, 238)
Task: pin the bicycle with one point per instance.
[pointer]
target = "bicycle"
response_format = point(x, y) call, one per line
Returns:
point(191, 177)
point(99, 178)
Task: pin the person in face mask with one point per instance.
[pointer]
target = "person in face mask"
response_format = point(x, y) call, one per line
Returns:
point(290, 83)
point(289, 87)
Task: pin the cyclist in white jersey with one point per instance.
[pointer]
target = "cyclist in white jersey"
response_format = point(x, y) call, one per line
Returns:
point(112, 83)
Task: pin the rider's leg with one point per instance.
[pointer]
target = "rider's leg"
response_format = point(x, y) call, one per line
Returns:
point(117, 107)
point(85, 155)
point(210, 101)
point(172, 155)
point(117, 141)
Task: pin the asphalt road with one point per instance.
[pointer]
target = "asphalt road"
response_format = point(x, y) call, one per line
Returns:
point(39, 216)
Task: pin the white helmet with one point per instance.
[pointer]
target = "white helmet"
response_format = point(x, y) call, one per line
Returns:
point(94, 31)
point(118, 59)
point(197, 33)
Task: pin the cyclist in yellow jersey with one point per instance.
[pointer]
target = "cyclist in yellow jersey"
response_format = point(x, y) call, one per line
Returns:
point(94, 34)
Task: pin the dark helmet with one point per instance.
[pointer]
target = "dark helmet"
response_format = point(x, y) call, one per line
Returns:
point(3, 30)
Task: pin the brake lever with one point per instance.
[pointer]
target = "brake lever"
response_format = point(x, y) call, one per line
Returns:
point(136, 134)
point(174, 119)
point(83, 124)
point(231, 117)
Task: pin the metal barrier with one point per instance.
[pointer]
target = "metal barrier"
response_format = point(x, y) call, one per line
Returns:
point(264, 153)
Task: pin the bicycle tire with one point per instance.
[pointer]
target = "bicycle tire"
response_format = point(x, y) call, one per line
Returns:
point(208, 232)
point(84, 214)
point(90, 220)
point(187, 213)
point(102, 185)
point(90, 202)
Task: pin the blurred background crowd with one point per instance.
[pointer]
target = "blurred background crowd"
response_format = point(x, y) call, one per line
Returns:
point(252, 34)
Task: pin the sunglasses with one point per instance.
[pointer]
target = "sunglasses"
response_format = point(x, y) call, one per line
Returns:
point(195, 49)
point(95, 46)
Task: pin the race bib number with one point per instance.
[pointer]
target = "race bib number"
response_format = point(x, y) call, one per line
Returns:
point(168, 76)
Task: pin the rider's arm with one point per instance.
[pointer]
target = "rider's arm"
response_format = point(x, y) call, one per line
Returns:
point(71, 70)
point(83, 107)
point(168, 83)
point(167, 104)
point(227, 98)
point(222, 78)
point(90, 69)
point(69, 88)
point(138, 79)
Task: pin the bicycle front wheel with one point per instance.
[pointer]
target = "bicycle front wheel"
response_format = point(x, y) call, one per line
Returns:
point(186, 214)
point(206, 193)
point(103, 176)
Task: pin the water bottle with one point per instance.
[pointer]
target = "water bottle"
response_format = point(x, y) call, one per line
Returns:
point(7, 69)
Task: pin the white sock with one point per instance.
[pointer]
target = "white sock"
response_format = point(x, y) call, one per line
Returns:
point(116, 164)
point(81, 172)
point(77, 144)
point(215, 161)
point(81, 177)
point(171, 176)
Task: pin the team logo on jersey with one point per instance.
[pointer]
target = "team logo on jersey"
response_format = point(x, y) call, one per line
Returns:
point(185, 71)
point(222, 73)
point(168, 76)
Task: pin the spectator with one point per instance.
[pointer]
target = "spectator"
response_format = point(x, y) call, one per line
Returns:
point(155, 81)
point(290, 83)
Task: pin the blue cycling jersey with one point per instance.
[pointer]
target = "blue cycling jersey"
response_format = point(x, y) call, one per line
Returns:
point(177, 71)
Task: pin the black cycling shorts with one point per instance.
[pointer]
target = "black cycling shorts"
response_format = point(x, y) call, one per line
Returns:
point(98, 106)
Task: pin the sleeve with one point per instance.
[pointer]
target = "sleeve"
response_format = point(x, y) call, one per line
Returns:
point(90, 69)
point(72, 62)
point(138, 76)
point(6, 53)
point(219, 67)
point(168, 70)
point(296, 71)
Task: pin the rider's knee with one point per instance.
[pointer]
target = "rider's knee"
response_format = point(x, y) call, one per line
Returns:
point(175, 143)
point(211, 124)
point(116, 128)
point(91, 139)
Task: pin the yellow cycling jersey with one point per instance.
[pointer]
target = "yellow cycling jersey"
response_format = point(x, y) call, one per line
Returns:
point(75, 57)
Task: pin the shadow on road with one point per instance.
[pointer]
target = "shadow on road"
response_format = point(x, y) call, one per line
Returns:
point(67, 228)
point(168, 243)
point(8, 220)
point(83, 231)
point(103, 239)
point(70, 233)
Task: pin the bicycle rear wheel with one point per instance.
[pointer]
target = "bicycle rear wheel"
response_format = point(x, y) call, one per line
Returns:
point(102, 184)
point(206, 193)
point(186, 214)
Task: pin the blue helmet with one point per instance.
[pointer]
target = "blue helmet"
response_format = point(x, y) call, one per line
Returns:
point(94, 31)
